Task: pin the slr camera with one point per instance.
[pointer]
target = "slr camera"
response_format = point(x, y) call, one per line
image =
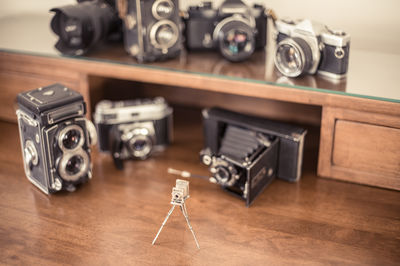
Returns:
point(234, 29)
point(152, 28)
point(306, 47)
point(55, 138)
point(245, 153)
point(133, 128)
point(81, 26)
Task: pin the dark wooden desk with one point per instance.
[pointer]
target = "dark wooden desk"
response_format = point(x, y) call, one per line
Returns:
point(114, 218)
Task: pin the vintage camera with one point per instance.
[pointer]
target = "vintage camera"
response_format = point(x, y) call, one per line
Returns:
point(234, 28)
point(55, 138)
point(305, 47)
point(180, 192)
point(133, 128)
point(152, 28)
point(245, 153)
point(81, 26)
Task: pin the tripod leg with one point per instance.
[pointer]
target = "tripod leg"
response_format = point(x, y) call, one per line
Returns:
point(184, 211)
point(162, 225)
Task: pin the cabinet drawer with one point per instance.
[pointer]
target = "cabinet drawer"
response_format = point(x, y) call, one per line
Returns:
point(367, 148)
point(12, 83)
point(360, 147)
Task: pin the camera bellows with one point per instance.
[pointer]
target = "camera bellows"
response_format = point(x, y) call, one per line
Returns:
point(239, 143)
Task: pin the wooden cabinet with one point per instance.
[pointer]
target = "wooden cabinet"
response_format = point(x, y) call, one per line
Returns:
point(360, 137)
point(360, 147)
point(12, 83)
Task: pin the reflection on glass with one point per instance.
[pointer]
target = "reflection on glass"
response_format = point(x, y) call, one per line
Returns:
point(314, 82)
point(368, 71)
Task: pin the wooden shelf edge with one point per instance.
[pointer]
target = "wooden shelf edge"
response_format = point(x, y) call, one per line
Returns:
point(204, 82)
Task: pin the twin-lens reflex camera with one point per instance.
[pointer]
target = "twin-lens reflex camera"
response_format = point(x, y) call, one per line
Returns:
point(55, 138)
point(152, 29)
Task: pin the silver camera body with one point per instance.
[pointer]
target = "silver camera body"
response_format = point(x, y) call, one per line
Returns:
point(133, 128)
point(55, 138)
point(308, 47)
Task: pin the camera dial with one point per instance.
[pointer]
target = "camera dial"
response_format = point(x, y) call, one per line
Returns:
point(30, 154)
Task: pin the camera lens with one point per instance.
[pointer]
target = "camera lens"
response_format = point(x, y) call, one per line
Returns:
point(293, 57)
point(81, 26)
point(74, 165)
point(222, 175)
point(162, 9)
point(140, 146)
point(71, 139)
point(236, 40)
point(164, 34)
point(72, 31)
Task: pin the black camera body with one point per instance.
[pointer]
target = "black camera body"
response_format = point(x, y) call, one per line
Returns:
point(133, 128)
point(307, 47)
point(80, 27)
point(152, 29)
point(55, 138)
point(234, 29)
point(245, 153)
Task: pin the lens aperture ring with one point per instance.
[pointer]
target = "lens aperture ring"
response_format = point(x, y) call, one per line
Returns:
point(71, 138)
point(293, 57)
point(73, 165)
point(236, 38)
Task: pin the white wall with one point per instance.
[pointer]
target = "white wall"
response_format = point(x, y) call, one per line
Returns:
point(373, 25)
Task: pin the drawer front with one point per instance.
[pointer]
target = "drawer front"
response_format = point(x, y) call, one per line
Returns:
point(12, 83)
point(360, 147)
point(367, 148)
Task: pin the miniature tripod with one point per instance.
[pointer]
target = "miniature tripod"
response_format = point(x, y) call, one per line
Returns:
point(180, 201)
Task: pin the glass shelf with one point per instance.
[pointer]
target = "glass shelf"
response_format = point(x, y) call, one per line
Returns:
point(371, 74)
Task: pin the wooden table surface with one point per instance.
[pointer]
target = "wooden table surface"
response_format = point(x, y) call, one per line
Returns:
point(114, 218)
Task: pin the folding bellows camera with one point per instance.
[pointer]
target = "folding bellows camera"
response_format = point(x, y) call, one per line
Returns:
point(245, 153)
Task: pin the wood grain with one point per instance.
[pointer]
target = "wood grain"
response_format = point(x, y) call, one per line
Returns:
point(112, 89)
point(360, 147)
point(12, 83)
point(377, 151)
point(207, 82)
point(113, 218)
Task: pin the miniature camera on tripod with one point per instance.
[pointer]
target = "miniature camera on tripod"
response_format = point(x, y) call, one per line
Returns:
point(180, 192)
